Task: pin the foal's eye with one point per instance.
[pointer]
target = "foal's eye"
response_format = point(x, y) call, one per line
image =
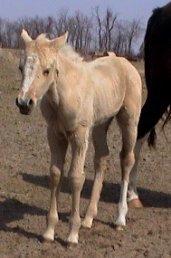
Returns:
point(46, 72)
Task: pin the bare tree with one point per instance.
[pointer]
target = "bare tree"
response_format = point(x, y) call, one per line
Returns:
point(80, 32)
point(133, 31)
point(85, 33)
point(109, 23)
point(119, 40)
point(62, 21)
point(105, 28)
point(2, 31)
point(99, 23)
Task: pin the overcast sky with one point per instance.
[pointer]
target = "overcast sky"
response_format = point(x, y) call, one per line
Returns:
point(126, 9)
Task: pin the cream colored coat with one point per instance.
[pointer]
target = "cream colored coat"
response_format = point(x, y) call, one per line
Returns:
point(78, 96)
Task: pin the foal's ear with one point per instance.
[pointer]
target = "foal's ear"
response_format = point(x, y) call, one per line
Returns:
point(60, 41)
point(25, 36)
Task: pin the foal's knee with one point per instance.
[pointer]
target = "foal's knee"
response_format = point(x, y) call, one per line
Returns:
point(55, 175)
point(77, 182)
point(101, 161)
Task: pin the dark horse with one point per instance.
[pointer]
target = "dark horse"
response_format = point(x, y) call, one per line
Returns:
point(157, 57)
point(157, 54)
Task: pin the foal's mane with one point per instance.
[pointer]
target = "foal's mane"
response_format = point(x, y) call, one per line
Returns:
point(71, 53)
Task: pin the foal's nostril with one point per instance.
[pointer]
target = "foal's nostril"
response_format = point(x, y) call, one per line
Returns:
point(25, 105)
point(16, 102)
point(30, 103)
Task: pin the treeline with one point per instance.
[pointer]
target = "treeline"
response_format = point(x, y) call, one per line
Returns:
point(86, 33)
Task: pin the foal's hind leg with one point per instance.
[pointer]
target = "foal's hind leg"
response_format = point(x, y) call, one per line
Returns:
point(128, 125)
point(100, 164)
point(58, 146)
point(133, 198)
point(151, 112)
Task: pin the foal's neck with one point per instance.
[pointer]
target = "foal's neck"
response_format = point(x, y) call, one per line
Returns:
point(66, 65)
point(69, 73)
point(66, 83)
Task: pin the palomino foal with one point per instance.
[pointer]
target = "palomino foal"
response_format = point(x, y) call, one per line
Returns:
point(75, 97)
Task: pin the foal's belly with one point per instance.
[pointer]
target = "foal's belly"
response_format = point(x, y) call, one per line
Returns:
point(107, 105)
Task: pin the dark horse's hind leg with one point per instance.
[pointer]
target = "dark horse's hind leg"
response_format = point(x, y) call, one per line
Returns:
point(152, 111)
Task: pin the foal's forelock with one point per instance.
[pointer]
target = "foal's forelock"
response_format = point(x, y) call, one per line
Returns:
point(30, 70)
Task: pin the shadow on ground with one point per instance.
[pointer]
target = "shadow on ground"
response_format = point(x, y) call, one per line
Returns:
point(13, 210)
point(110, 192)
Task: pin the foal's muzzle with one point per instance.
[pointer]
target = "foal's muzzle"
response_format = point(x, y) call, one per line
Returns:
point(25, 105)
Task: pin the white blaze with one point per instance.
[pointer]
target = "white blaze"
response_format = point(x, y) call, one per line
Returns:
point(29, 72)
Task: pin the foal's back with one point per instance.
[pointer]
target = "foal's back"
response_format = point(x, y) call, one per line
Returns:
point(116, 84)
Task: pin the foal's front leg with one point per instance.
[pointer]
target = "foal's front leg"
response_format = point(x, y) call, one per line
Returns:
point(79, 144)
point(58, 146)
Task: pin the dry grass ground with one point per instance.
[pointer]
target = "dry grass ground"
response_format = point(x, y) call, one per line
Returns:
point(24, 192)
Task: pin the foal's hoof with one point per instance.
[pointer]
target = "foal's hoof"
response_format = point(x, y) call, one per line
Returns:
point(47, 238)
point(43, 239)
point(87, 223)
point(120, 227)
point(135, 203)
point(72, 240)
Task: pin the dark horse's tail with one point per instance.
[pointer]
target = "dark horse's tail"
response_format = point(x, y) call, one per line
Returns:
point(158, 79)
point(152, 111)
point(152, 136)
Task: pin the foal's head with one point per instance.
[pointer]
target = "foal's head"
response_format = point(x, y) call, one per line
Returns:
point(38, 68)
